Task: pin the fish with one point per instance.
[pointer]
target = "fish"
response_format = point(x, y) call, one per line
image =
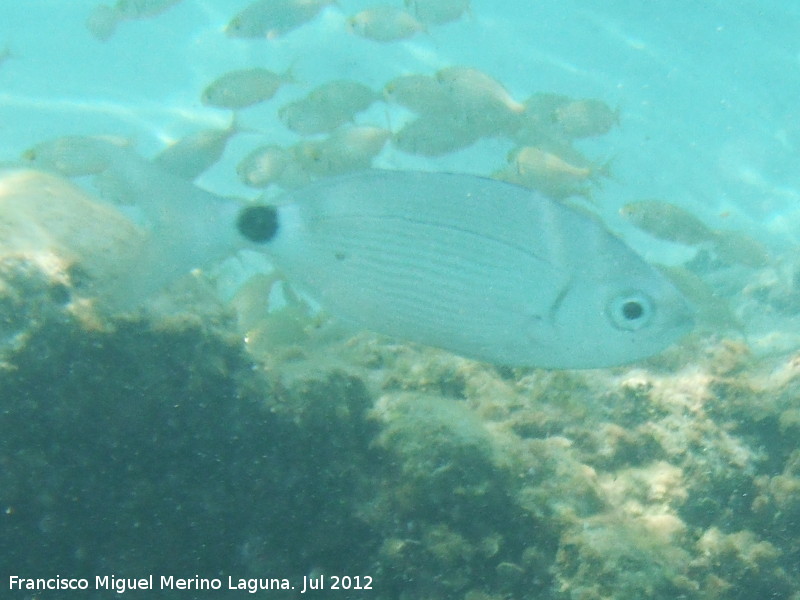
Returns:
point(192, 155)
point(556, 176)
point(346, 149)
point(736, 247)
point(586, 118)
point(73, 155)
point(422, 94)
point(187, 227)
point(5, 54)
point(244, 87)
point(438, 12)
point(672, 223)
point(480, 100)
point(103, 20)
point(538, 121)
point(385, 24)
point(667, 221)
point(273, 18)
point(263, 165)
point(327, 106)
point(435, 135)
point(482, 268)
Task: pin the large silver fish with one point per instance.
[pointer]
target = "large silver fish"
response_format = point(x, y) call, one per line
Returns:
point(482, 268)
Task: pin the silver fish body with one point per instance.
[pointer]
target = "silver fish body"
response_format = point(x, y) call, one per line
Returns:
point(482, 268)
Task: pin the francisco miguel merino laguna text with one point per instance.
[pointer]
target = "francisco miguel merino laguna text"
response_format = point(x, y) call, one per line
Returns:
point(124, 584)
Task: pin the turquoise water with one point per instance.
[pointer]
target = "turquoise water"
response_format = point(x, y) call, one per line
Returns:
point(706, 92)
point(140, 444)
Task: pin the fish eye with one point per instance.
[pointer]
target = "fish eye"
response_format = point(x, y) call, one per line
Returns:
point(631, 311)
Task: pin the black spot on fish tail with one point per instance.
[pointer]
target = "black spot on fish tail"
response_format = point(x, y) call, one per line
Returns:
point(258, 223)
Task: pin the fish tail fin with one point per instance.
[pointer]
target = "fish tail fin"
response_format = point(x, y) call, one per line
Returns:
point(102, 22)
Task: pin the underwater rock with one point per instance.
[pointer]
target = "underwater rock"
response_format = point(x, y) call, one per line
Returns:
point(123, 442)
point(76, 238)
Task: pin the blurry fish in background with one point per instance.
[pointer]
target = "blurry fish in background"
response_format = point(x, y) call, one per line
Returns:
point(435, 134)
point(244, 87)
point(672, 223)
point(192, 155)
point(385, 24)
point(480, 99)
point(5, 54)
point(74, 155)
point(263, 166)
point(103, 20)
point(557, 175)
point(556, 117)
point(667, 221)
point(271, 332)
point(538, 119)
point(712, 311)
point(273, 18)
point(585, 118)
point(456, 107)
point(422, 94)
point(78, 156)
point(327, 106)
point(437, 12)
point(349, 148)
point(739, 248)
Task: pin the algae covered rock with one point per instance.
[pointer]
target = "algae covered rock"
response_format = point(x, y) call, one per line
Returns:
point(155, 438)
point(141, 446)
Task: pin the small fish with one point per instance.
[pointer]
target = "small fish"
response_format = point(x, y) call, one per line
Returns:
point(461, 97)
point(327, 107)
point(191, 156)
point(5, 54)
point(552, 174)
point(537, 122)
point(435, 135)
point(103, 21)
point(343, 95)
point(74, 155)
point(346, 149)
point(422, 94)
point(273, 18)
point(712, 311)
point(482, 268)
point(267, 329)
point(735, 247)
point(356, 145)
point(585, 118)
point(263, 165)
point(384, 24)
point(480, 100)
point(437, 12)
point(667, 221)
point(244, 87)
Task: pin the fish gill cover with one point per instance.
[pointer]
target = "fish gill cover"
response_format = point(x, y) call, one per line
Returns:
point(174, 406)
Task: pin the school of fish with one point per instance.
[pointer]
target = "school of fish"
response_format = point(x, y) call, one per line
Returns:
point(500, 266)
